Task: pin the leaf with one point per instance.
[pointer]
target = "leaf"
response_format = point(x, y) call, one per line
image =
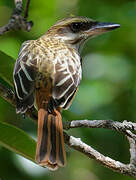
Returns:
point(10, 45)
point(6, 67)
point(17, 141)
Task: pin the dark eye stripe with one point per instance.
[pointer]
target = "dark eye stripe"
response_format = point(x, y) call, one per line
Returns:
point(81, 26)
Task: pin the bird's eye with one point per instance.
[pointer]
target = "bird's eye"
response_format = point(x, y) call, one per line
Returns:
point(75, 27)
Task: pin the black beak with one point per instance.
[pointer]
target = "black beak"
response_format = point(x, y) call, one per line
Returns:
point(100, 28)
point(105, 26)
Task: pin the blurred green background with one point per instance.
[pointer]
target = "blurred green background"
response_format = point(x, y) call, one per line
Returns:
point(107, 91)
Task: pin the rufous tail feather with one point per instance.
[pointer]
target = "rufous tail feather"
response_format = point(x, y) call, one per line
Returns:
point(50, 151)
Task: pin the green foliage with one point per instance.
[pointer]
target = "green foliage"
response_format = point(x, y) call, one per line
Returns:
point(6, 67)
point(17, 141)
point(107, 91)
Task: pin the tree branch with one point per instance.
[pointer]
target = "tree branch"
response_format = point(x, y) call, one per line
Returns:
point(107, 124)
point(17, 21)
point(77, 144)
point(125, 127)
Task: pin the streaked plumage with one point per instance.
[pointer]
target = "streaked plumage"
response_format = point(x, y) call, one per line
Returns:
point(47, 73)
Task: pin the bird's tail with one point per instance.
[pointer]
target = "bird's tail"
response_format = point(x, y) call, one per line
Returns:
point(50, 151)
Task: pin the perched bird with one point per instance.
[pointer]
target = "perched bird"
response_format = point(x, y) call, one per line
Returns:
point(47, 74)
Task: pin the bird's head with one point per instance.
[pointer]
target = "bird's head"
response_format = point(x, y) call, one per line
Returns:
point(76, 30)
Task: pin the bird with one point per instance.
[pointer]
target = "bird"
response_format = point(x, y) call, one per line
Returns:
point(47, 74)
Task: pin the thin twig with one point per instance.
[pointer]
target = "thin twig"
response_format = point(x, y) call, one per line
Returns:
point(18, 7)
point(26, 9)
point(132, 149)
point(17, 1)
point(17, 21)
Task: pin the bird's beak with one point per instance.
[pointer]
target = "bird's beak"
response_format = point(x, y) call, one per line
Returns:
point(99, 28)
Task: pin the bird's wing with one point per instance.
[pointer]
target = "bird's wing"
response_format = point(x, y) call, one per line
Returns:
point(67, 78)
point(24, 76)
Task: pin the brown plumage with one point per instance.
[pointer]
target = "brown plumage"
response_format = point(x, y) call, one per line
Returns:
point(47, 73)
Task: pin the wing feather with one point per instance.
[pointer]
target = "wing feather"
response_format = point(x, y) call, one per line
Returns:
point(24, 78)
point(67, 79)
